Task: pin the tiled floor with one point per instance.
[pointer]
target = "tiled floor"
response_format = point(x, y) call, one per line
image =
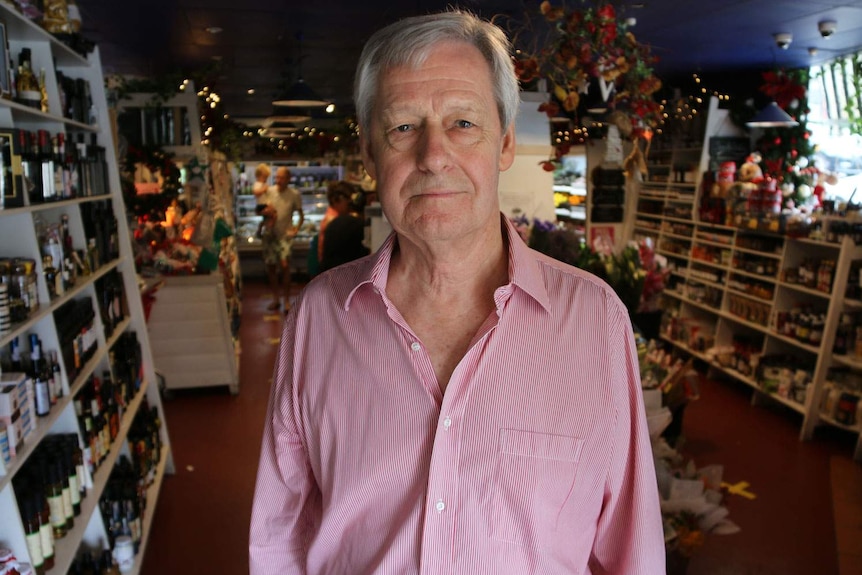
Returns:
point(806, 518)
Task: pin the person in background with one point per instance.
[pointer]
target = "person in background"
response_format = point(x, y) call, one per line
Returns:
point(261, 181)
point(281, 202)
point(259, 188)
point(336, 191)
point(345, 234)
point(458, 402)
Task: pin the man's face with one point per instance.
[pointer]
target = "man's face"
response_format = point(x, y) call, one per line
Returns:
point(282, 178)
point(436, 146)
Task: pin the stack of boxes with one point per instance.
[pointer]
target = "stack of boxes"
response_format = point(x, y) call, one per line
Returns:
point(17, 415)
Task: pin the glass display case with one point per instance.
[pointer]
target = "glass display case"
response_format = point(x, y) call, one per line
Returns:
point(309, 180)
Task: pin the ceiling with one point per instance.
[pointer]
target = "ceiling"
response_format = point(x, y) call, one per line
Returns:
point(261, 40)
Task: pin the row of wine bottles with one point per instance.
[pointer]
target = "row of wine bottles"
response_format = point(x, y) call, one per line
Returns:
point(39, 167)
point(50, 488)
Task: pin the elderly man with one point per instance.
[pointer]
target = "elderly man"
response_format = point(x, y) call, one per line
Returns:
point(455, 403)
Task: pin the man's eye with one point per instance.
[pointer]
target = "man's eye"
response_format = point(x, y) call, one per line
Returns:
point(403, 128)
point(464, 124)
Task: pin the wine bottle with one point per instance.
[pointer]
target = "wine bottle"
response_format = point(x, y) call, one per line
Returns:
point(56, 376)
point(54, 494)
point(37, 374)
point(59, 168)
point(30, 520)
point(50, 192)
point(72, 477)
point(30, 168)
point(74, 162)
point(27, 85)
point(46, 531)
point(50, 273)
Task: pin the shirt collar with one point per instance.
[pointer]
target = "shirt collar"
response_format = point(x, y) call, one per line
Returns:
point(524, 268)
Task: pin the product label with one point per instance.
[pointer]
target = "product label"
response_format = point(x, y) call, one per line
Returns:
point(74, 490)
point(34, 548)
point(58, 184)
point(46, 536)
point(43, 399)
point(88, 459)
point(58, 513)
point(67, 503)
point(79, 471)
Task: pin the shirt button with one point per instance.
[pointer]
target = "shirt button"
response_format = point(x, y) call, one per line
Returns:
point(440, 506)
point(415, 346)
point(447, 423)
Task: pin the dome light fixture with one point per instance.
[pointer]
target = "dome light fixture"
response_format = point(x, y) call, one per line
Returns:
point(772, 116)
point(300, 94)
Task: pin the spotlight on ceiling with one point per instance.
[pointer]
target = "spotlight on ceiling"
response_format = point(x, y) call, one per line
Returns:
point(783, 40)
point(827, 27)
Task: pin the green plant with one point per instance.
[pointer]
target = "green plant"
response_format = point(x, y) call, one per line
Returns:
point(634, 273)
point(854, 101)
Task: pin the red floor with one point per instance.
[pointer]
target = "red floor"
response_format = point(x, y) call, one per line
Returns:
point(201, 522)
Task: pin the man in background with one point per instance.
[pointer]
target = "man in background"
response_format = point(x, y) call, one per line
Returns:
point(282, 202)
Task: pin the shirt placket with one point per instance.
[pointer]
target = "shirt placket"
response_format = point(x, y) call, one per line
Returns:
point(442, 499)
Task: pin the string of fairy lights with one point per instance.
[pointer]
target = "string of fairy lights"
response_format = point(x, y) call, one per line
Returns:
point(681, 108)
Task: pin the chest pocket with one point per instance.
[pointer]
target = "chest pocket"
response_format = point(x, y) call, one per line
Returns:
point(533, 481)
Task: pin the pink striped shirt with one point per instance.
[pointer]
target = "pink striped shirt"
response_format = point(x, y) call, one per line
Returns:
point(536, 460)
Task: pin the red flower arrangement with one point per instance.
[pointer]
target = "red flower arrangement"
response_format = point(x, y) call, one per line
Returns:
point(591, 44)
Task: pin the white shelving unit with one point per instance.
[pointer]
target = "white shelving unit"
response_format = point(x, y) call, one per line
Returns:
point(18, 238)
point(719, 311)
point(711, 290)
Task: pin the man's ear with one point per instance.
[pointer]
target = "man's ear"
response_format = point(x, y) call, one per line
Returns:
point(507, 151)
point(365, 150)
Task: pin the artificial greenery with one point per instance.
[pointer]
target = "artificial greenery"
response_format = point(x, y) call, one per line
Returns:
point(853, 108)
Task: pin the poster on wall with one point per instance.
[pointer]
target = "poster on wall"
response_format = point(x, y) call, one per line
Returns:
point(602, 238)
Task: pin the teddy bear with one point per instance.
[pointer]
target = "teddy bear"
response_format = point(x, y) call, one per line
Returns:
point(744, 191)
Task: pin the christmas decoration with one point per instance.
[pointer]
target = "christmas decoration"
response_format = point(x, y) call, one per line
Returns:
point(786, 153)
point(588, 52)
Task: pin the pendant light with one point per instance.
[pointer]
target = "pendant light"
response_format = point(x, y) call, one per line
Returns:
point(300, 94)
point(772, 116)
